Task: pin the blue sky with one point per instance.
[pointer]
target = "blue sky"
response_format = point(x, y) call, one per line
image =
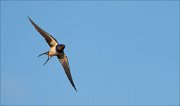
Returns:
point(120, 53)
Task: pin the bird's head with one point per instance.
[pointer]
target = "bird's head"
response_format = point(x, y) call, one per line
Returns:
point(60, 48)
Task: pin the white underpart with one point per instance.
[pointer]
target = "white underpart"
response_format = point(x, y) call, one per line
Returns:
point(52, 51)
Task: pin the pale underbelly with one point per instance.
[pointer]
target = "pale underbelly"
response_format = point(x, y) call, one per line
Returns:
point(52, 51)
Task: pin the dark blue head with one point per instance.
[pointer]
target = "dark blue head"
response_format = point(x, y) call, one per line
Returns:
point(60, 48)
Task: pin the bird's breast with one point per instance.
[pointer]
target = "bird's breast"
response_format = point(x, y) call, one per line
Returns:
point(52, 51)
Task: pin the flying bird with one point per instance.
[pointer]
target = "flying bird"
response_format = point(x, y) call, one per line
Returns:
point(56, 49)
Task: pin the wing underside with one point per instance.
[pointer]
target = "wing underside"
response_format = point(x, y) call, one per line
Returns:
point(49, 39)
point(64, 61)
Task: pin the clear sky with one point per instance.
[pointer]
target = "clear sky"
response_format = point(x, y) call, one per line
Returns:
point(120, 53)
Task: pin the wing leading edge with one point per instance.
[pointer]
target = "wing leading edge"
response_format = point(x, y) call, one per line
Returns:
point(49, 39)
point(64, 61)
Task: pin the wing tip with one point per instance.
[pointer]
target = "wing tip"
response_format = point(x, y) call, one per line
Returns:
point(31, 20)
point(72, 83)
point(75, 88)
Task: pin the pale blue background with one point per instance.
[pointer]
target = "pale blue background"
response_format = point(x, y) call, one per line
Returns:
point(123, 53)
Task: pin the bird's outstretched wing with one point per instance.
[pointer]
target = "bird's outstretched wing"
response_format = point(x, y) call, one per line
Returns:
point(49, 39)
point(64, 61)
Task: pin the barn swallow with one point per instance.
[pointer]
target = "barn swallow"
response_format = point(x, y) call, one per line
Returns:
point(55, 50)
